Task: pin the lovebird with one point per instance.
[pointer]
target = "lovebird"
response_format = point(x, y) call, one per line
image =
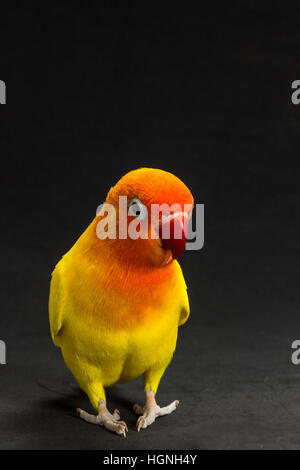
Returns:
point(118, 296)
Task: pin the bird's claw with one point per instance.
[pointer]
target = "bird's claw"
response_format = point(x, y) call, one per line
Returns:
point(104, 418)
point(116, 414)
point(150, 412)
point(140, 423)
point(121, 428)
point(138, 409)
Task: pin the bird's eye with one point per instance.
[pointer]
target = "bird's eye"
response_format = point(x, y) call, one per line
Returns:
point(137, 209)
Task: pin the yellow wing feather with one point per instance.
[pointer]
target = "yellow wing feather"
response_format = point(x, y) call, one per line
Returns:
point(55, 305)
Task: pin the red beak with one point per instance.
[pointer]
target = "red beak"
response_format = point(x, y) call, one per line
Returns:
point(172, 232)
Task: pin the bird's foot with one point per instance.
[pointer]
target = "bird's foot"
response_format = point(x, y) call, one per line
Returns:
point(104, 418)
point(151, 411)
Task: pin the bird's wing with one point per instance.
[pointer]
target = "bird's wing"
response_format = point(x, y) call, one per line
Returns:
point(55, 305)
point(185, 309)
point(181, 294)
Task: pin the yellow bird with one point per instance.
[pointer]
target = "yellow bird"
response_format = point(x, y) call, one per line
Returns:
point(116, 301)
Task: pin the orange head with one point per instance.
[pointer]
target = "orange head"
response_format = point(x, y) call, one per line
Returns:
point(157, 208)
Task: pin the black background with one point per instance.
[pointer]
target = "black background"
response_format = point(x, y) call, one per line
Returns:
point(96, 90)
